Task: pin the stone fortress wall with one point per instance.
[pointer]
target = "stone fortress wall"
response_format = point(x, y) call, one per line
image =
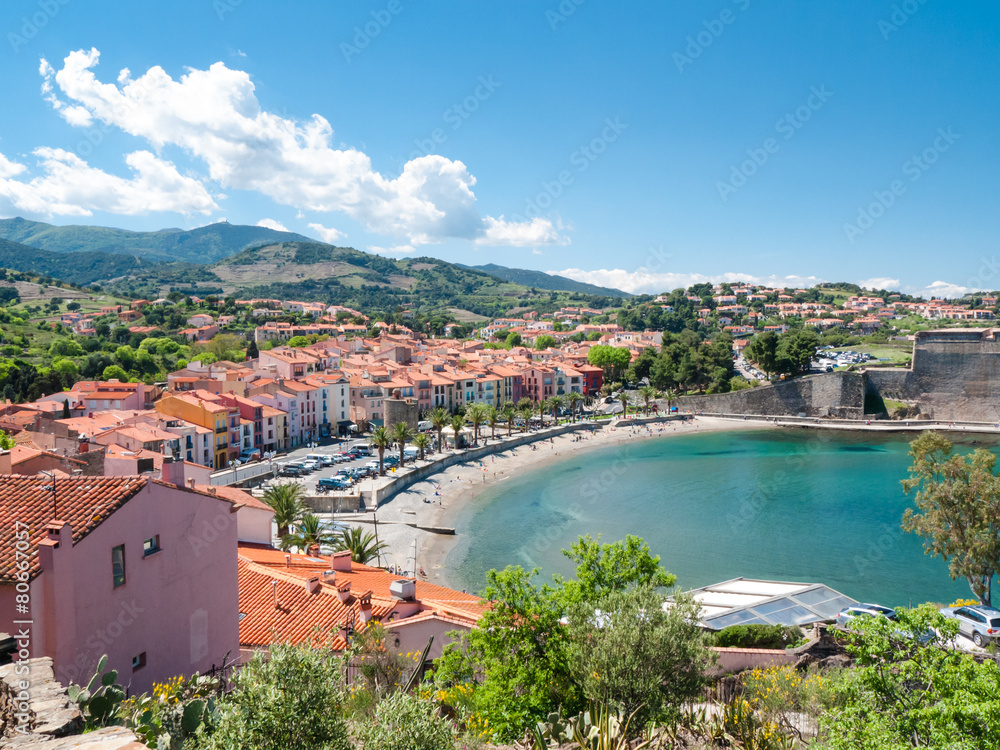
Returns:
point(954, 376)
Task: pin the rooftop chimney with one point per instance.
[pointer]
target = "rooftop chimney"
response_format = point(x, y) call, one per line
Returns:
point(344, 591)
point(312, 584)
point(288, 560)
point(172, 471)
point(365, 602)
point(341, 561)
point(274, 590)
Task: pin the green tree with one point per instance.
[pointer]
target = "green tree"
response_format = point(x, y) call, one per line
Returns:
point(476, 415)
point(508, 413)
point(614, 360)
point(285, 500)
point(908, 690)
point(624, 399)
point(957, 511)
point(297, 342)
point(381, 439)
point(630, 653)
point(545, 341)
point(114, 372)
point(439, 420)
point(362, 544)
point(520, 651)
point(525, 413)
point(648, 394)
point(574, 399)
point(513, 339)
point(289, 698)
point(457, 425)
point(401, 435)
point(65, 348)
point(763, 351)
point(309, 532)
point(125, 355)
point(422, 443)
point(602, 569)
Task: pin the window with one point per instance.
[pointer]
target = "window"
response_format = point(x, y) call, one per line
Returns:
point(138, 662)
point(151, 546)
point(118, 565)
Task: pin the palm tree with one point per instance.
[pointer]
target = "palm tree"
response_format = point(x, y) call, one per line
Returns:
point(381, 439)
point(476, 415)
point(457, 425)
point(309, 533)
point(574, 398)
point(555, 404)
point(492, 419)
point(509, 412)
point(361, 543)
point(286, 501)
point(625, 400)
point(422, 443)
point(401, 434)
point(542, 406)
point(648, 394)
point(439, 420)
point(525, 413)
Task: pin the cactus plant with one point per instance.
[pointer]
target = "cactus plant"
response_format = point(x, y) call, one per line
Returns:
point(100, 700)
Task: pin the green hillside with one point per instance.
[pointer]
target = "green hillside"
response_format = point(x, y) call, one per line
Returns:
point(542, 280)
point(77, 268)
point(202, 245)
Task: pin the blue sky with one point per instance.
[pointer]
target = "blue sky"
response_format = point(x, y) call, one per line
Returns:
point(641, 145)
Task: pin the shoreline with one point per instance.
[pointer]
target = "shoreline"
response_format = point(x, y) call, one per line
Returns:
point(438, 499)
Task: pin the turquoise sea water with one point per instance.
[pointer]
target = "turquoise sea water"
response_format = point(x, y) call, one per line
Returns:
point(796, 505)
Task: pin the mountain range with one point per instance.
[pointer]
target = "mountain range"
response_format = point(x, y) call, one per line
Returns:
point(227, 258)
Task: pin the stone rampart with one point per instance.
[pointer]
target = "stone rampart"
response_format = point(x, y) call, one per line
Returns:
point(837, 395)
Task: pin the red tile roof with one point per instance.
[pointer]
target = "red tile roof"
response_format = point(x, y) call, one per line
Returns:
point(83, 502)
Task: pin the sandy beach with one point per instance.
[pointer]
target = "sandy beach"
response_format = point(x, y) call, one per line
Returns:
point(439, 498)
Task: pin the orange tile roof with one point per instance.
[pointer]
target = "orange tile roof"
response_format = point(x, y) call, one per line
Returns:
point(83, 502)
point(300, 614)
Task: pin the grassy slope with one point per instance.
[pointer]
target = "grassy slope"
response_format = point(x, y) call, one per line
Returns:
point(202, 245)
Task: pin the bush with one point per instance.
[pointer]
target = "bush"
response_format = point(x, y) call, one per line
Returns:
point(404, 722)
point(289, 701)
point(758, 636)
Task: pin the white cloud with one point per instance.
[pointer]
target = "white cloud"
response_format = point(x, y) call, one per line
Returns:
point(68, 186)
point(880, 282)
point(645, 281)
point(536, 251)
point(395, 250)
point(945, 290)
point(327, 234)
point(272, 224)
point(214, 116)
point(10, 168)
point(537, 231)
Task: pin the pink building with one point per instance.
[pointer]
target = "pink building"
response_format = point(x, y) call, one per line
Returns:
point(137, 568)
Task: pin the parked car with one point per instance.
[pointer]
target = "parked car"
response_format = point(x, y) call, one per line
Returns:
point(849, 614)
point(291, 471)
point(336, 483)
point(981, 624)
point(310, 465)
point(249, 454)
point(328, 460)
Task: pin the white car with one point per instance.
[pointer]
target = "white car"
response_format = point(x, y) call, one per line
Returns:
point(310, 465)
